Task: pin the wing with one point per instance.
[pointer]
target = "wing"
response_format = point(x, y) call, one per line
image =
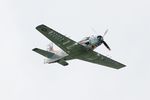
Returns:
point(65, 43)
point(94, 57)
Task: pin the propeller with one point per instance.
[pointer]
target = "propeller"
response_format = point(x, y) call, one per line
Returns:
point(105, 33)
point(102, 38)
point(106, 45)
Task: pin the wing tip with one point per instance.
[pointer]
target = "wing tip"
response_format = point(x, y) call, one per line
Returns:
point(121, 66)
point(42, 28)
point(39, 26)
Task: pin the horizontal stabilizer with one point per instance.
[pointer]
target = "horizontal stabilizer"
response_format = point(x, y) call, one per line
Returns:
point(44, 53)
point(62, 62)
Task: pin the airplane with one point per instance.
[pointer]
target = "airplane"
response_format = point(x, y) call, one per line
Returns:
point(70, 49)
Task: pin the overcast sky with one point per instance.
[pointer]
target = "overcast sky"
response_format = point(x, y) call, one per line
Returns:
point(23, 76)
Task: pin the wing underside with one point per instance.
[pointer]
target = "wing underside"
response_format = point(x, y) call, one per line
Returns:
point(94, 57)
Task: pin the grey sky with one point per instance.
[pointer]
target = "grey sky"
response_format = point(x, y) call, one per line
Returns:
point(23, 76)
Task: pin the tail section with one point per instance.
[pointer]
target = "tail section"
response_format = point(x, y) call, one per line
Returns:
point(62, 62)
point(44, 53)
point(52, 57)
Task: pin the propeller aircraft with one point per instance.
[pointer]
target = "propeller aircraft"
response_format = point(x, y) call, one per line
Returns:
point(70, 49)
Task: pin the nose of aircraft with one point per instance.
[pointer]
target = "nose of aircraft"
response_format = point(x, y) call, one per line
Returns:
point(100, 38)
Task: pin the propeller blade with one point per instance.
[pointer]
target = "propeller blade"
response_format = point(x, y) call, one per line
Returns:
point(106, 45)
point(105, 32)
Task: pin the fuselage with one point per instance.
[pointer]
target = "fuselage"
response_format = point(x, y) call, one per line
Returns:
point(89, 42)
